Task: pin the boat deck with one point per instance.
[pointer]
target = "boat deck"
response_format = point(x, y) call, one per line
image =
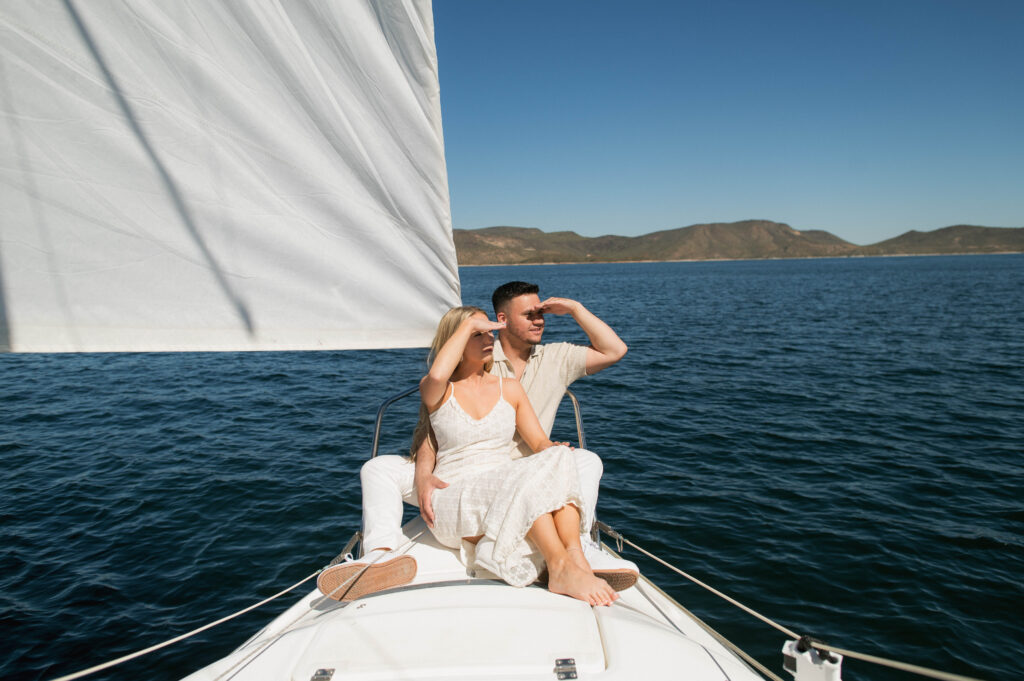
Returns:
point(447, 624)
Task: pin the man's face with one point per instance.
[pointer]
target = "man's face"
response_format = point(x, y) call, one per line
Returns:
point(522, 319)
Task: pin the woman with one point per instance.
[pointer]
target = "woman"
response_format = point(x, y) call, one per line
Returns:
point(492, 503)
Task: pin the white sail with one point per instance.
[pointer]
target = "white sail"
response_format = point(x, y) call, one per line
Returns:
point(229, 175)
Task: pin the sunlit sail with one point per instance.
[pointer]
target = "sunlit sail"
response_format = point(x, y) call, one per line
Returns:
point(221, 176)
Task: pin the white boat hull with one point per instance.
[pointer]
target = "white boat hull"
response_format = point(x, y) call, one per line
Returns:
point(447, 624)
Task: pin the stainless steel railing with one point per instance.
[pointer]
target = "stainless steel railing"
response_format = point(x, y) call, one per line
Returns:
point(580, 434)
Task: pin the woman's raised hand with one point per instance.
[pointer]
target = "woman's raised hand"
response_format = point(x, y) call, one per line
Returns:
point(464, 344)
point(482, 325)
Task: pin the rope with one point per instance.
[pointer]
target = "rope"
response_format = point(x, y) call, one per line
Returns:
point(885, 662)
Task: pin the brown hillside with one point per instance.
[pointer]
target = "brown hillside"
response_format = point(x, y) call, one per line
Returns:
point(956, 239)
point(749, 239)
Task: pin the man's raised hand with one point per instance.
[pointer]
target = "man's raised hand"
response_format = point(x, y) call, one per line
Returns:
point(557, 306)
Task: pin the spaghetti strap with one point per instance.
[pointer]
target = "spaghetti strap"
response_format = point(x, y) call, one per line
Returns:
point(501, 389)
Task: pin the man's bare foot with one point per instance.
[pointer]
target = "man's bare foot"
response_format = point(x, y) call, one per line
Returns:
point(570, 580)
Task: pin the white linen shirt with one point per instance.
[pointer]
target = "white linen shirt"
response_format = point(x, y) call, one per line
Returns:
point(550, 369)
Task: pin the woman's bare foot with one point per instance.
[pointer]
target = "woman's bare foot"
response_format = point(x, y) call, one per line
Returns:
point(569, 579)
point(578, 559)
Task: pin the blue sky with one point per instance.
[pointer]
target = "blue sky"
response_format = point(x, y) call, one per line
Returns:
point(862, 118)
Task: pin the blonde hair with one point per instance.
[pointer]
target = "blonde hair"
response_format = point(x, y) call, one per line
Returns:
point(446, 328)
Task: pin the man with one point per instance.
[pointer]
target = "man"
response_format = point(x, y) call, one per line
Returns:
point(545, 372)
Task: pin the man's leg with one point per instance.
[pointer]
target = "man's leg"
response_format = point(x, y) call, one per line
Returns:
point(386, 482)
point(590, 469)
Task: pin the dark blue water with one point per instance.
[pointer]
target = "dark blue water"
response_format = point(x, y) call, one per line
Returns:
point(837, 443)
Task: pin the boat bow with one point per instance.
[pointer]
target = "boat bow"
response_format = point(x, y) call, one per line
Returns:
point(451, 624)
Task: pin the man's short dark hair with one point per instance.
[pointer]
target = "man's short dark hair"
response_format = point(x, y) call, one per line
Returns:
point(507, 292)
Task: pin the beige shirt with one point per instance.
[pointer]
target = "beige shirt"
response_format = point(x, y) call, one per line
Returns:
point(550, 369)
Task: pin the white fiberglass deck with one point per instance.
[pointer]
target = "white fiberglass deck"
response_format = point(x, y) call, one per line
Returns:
point(447, 625)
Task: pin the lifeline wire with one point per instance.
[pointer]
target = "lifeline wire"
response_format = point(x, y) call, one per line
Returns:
point(176, 639)
point(158, 646)
point(904, 666)
point(404, 548)
point(916, 669)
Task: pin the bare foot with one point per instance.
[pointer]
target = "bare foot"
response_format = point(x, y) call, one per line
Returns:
point(569, 579)
point(578, 559)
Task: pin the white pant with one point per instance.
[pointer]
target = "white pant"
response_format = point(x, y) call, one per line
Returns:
point(388, 481)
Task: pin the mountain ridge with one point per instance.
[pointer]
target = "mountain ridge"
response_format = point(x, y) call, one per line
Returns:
point(742, 240)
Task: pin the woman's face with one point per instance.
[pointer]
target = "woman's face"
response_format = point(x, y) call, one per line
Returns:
point(480, 347)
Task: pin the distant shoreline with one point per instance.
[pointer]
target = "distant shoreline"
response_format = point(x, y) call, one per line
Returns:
point(797, 257)
point(746, 240)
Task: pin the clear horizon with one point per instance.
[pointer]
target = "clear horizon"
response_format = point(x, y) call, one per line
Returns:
point(864, 120)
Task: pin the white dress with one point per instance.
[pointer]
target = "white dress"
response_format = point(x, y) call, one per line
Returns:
point(491, 494)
